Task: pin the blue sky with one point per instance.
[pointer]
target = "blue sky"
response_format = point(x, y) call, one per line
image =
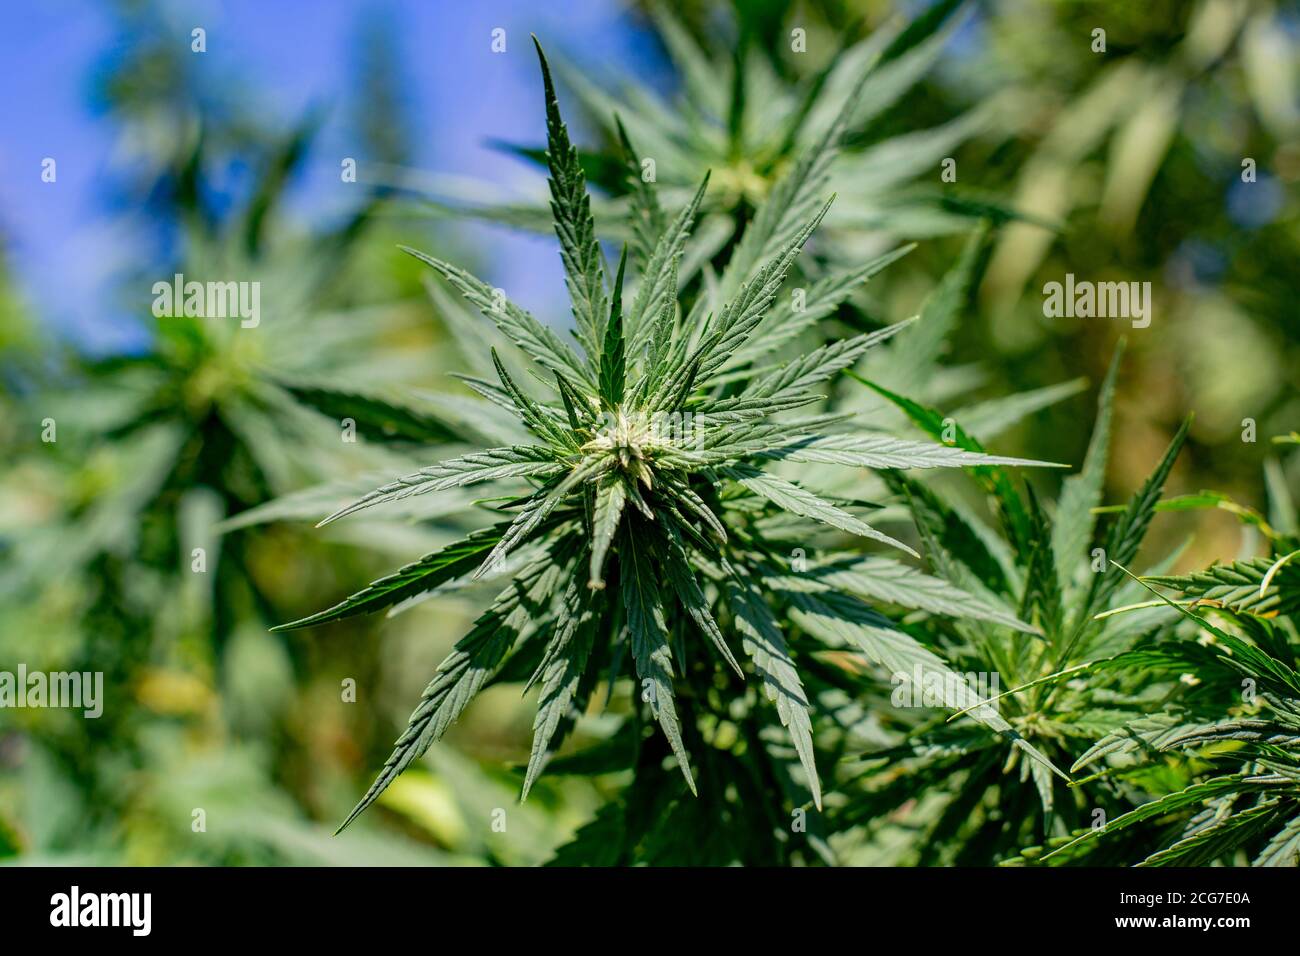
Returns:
point(64, 240)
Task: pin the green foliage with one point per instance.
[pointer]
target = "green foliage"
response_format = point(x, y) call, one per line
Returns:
point(984, 801)
point(737, 542)
point(1213, 766)
point(652, 515)
point(112, 559)
point(745, 113)
point(1246, 807)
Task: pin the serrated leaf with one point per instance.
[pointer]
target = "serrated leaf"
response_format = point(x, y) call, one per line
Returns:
point(647, 215)
point(1248, 658)
point(1010, 507)
point(800, 501)
point(762, 640)
point(541, 420)
point(538, 508)
point(561, 675)
point(464, 672)
point(1042, 587)
point(515, 461)
point(742, 313)
point(658, 285)
point(1153, 731)
point(613, 363)
point(817, 366)
point(1073, 528)
point(611, 495)
point(785, 322)
point(955, 549)
point(571, 207)
point(1237, 585)
point(1284, 848)
point(535, 339)
point(846, 621)
point(420, 576)
point(693, 600)
point(648, 631)
point(1211, 842)
point(1126, 534)
point(890, 581)
point(885, 452)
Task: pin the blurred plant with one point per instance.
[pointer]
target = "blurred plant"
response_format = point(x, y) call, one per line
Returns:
point(743, 113)
point(125, 465)
point(721, 524)
point(1169, 157)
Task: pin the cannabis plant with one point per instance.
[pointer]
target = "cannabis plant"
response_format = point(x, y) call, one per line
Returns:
point(972, 798)
point(1244, 806)
point(122, 466)
point(645, 529)
point(761, 125)
point(744, 114)
point(1220, 754)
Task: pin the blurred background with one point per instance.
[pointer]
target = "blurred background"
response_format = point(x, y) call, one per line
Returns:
point(224, 161)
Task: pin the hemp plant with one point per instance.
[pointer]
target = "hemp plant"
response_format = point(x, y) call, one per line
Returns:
point(1218, 756)
point(744, 111)
point(747, 113)
point(1244, 807)
point(647, 515)
point(972, 797)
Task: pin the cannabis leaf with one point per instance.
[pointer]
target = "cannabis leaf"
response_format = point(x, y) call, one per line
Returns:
point(635, 509)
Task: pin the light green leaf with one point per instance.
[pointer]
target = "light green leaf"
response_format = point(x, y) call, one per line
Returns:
point(763, 641)
point(1126, 535)
point(515, 461)
point(561, 675)
point(429, 572)
point(884, 579)
point(884, 451)
point(1075, 521)
point(535, 339)
point(464, 672)
point(821, 299)
point(846, 621)
point(1284, 848)
point(800, 501)
point(657, 289)
point(647, 626)
point(611, 495)
point(583, 263)
point(538, 508)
